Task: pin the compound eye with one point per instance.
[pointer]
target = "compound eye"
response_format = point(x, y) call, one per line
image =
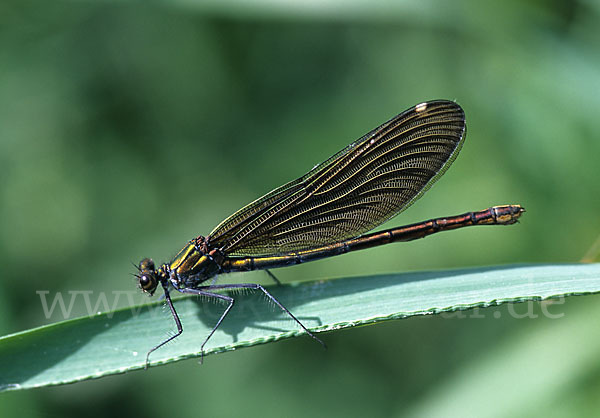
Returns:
point(148, 282)
point(146, 264)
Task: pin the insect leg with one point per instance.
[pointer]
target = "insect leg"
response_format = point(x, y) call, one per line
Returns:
point(270, 296)
point(272, 276)
point(177, 322)
point(202, 292)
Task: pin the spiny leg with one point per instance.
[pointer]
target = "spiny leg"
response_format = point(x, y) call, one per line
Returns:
point(201, 292)
point(272, 276)
point(177, 322)
point(271, 297)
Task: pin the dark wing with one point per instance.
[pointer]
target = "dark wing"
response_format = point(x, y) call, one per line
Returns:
point(354, 191)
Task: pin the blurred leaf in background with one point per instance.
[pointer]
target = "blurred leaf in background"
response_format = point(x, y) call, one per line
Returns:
point(126, 130)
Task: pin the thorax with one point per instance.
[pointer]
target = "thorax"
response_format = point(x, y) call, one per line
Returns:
point(195, 264)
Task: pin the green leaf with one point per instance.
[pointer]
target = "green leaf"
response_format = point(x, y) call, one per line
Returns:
point(116, 342)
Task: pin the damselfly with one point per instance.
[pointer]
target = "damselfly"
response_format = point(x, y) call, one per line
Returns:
point(327, 211)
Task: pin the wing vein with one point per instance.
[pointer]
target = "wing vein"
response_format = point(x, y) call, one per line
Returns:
point(366, 183)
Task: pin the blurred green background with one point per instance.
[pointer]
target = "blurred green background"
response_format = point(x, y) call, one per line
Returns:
point(127, 129)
